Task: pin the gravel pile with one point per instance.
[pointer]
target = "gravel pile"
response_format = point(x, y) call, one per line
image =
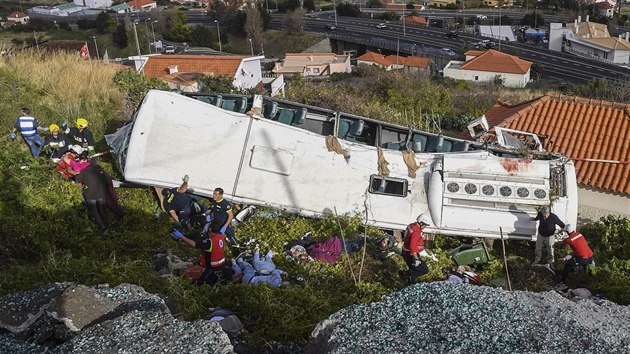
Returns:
point(71, 318)
point(452, 318)
point(149, 332)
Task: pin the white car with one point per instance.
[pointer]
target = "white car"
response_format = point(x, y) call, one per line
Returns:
point(381, 25)
point(482, 17)
point(448, 51)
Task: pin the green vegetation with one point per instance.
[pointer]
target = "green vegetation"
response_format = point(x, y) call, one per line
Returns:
point(47, 236)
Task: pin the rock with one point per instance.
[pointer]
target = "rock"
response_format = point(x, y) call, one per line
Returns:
point(66, 317)
point(149, 332)
point(443, 317)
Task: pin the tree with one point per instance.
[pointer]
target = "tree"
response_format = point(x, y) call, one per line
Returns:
point(294, 20)
point(390, 16)
point(309, 5)
point(409, 6)
point(374, 4)
point(254, 27)
point(533, 19)
point(266, 17)
point(202, 36)
point(217, 84)
point(348, 10)
point(103, 23)
point(180, 33)
point(119, 36)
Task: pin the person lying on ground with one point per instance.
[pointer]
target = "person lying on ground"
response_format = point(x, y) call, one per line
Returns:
point(461, 275)
point(307, 250)
point(388, 247)
point(246, 273)
point(64, 167)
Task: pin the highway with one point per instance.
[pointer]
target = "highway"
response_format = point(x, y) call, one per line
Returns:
point(562, 66)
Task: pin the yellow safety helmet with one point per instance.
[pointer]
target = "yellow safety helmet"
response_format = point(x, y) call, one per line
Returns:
point(53, 127)
point(82, 123)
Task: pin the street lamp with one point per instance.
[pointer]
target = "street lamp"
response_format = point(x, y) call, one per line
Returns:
point(219, 35)
point(335, 10)
point(251, 45)
point(146, 32)
point(153, 32)
point(262, 49)
point(96, 46)
point(403, 18)
point(135, 32)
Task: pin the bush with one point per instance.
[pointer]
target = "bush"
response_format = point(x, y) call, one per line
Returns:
point(136, 85)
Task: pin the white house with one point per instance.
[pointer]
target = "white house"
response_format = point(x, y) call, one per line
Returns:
point(591, 40)
point(18, 17)
point(183, 72)
point(94, 4)
point(487, 66)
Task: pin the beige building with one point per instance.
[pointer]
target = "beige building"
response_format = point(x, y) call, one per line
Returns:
point(591, 40)
point(313, 64)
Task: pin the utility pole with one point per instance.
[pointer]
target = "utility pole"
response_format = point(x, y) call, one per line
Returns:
point(135, 32)
point(500, 31)
point(262, 49)
point(335, 10)
point(219, 35)
point(153, 32)
point(36, 43)
point(146, 32)
point(403, 18)
point(96, 46)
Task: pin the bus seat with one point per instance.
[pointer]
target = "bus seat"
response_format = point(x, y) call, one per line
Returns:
point(460, 146)
point(447, 146)
point(434, 143)
point(419, 142)
point(270, 109)
point(242, 104)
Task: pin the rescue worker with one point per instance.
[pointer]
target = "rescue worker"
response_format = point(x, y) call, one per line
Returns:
point(94, 181)
point(221, 213)
point(547, 222)
point(81, 135)
point(57, 143)
point(29, 129)
point(413, 250)
point(581, 255)
point(212, 244)
point(179, 205)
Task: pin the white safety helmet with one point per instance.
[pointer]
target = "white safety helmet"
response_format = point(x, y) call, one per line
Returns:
point(569, 228)
point(423, 219)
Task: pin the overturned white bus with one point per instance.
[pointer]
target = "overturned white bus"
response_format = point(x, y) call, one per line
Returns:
point(312, 161)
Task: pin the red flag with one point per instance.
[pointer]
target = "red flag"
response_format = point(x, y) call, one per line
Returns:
point(85, 51)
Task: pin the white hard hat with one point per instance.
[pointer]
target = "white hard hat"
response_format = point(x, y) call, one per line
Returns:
point(423, 219)
point(569, 228)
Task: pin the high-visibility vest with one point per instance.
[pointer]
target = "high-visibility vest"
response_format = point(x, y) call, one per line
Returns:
point(27, 126)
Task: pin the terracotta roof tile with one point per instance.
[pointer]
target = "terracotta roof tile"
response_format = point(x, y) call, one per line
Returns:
point(136, 4)
point(417, 62)
point(215, 65)
point(389, 60)
point(579, 128)
point(375, 58)
point(495, 61)
point(16, 14)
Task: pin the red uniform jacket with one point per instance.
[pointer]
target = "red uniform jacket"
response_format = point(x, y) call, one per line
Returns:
point(413, 241)
point(214, 251)
point(578, 245)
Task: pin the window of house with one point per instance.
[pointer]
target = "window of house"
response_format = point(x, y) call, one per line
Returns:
point(316, 70)
point(388, 186)
point(308, 70)
point(476, 78)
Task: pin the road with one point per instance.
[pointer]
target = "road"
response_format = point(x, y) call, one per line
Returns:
point(556, 65)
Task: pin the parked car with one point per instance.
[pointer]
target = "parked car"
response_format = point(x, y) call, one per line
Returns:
point(482, 17)
point(169, 49)
point(331, 27)
point(451, 34)
point(448, 51)
point(381, 25)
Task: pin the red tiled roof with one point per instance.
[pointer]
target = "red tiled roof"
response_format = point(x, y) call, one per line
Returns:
point(215, 65)
point(375, 58)
point(603, 5)
point(17, 14)
point(495, 61)
point(393, 59)
point(579, 128)
point(474, 53)
point(417, 62)
point(136, 4)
